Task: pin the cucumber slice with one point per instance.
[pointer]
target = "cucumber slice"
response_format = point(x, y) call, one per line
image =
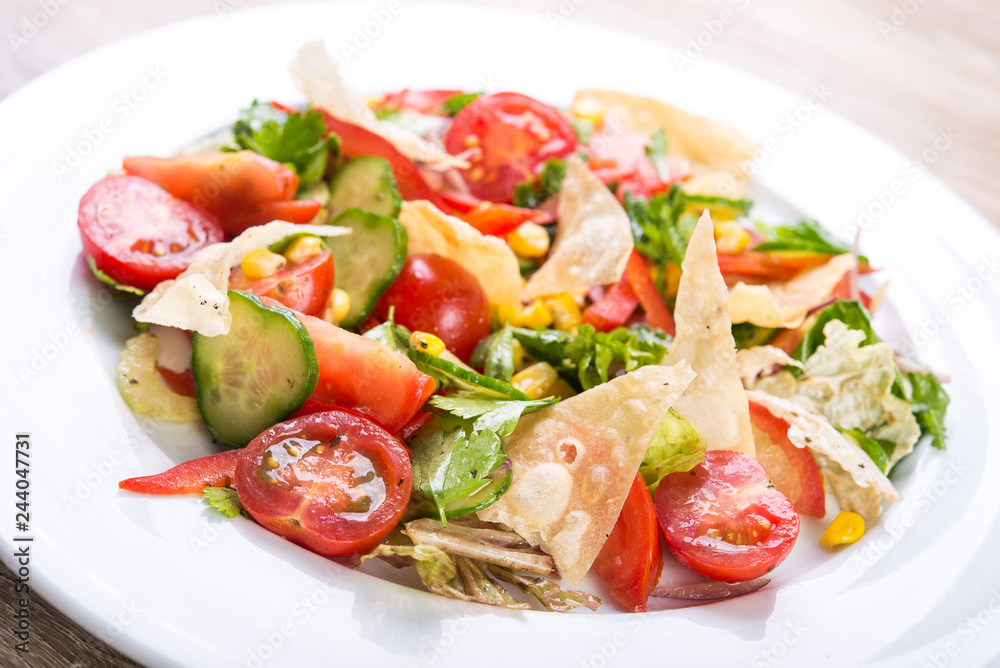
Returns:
point(484, 498)
point(255, 376)
point(365, 183)
point(464, 378)
point(367, 260)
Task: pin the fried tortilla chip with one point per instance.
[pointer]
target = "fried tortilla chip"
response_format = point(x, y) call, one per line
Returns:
point(594, 240)
point(197, 300)
point(315, 74)
point(575, 461)
point(715, 402)
point(710, 143)
point(490, 259)
point(761, 360)
point(811, 430)
point(786, 304)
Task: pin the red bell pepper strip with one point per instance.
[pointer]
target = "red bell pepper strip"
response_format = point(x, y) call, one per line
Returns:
point(180, 383)
point(613, 309)
point(188, 478)
point(778, 265)
point(657, 313)
point(500, 219)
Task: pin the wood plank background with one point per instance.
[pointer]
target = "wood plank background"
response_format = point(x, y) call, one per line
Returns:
point(903, 69)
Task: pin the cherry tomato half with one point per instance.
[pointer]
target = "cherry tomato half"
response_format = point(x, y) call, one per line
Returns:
point(632, 559)
point(723, 519)
point(304, 287)
point(515, 134)
point(438, 295)
point(335, 482)
point(138, 234)
point(792, 470)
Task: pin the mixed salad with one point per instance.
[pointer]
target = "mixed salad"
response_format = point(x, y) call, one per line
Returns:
point(504, 343)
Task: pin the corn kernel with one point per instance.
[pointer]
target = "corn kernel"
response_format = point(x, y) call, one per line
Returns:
point(561, 389)
point(534, 315)
point(589, 109)
point(529, 240)
point(673, 281)
point(518, 354)
point(262, 263)
point(536, 380)
point(845, 529)
point(506, 313)
point(565, 311)
point(427, 343)
point(731, 237)
point(340, 305)
point(303, 248)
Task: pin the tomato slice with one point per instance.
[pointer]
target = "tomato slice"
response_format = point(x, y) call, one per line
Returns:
point(631, 560)
point(420, 101)
point(225, 184)
point(657, 313)
point(438, 295)
point(138, 234)
point(613, 309)
point(356, 141)
point(304, 287)
point(359, 373)
point(778, 265)
point(188, 478)
point(500, 219)
point(619, 154)
point(515, 135)
point(724, 520)
point(298, 211)
point(792, 470)
point(335, 482)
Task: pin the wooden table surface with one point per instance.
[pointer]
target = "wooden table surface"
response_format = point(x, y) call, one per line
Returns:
point(905, 70)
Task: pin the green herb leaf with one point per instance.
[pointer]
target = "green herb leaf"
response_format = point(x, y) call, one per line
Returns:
point(453, 105)
point(532, 193)
point(677, 446)
point(930, 403)
point(656, 149)
point(655, 228)
point(495, 354)
point(593, 353)
point(721, 208)
point(489, 413)
point(805, 235)
point(878, 449)
point(223, 499)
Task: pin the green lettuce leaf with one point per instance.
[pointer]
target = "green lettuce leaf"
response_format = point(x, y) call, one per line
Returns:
point(930, 403)
point(656, 150)
point(880, 450)
point(455, 104)
point(805, 235)
point(531, 194)
point(677, 446)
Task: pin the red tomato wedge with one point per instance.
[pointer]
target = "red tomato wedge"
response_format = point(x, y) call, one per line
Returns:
point(304, 287)
point(514, 135)
point(335, 483)
point(613, 309)
point(438, 295)
point(226, 184)
point(723, 519)
point(359, 373)
point(138, 234)
point(500, 219)
point(298, 211)
point(631, 560)
point(356, 140)
point(188, 478)
point(657, 313)
point(779, 265)
point(420, 101)
point(792, 470)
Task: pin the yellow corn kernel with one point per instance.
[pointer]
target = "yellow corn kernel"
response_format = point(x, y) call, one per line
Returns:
point(534, 315)
point(845, 529)
point(529, 240)
point(673, 281)
point(506, 313)
point(518, 354)
point(731, 237)
point(427, 343)
point(536, 380)
point(340, 304)
point(262, 263)
point(565, 311)
point(561, 389)
point(590, 109)
point(303, 248)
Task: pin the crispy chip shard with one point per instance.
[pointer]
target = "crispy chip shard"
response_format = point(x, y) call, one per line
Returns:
point(197, 299)
point(594, 239)
point(315, 74)
point(575, 461)
point(490, 259)
point(811, 430)
point(786, 304)
point(760, 361)
point(714, 402)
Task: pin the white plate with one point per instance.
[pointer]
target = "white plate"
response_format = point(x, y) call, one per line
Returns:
point(171, 585)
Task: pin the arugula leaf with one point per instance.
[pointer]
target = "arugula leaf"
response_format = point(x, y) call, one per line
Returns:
point(930, 403)
point(656, 230)
point(676, 446)
point(297, 140)
point(721, 208)
point(223, 499)
point(457, 103)
point(495, 354)
point(656, 149)
point(805, 235)
point(531, 194)
point(543, 345)
point(880, 450)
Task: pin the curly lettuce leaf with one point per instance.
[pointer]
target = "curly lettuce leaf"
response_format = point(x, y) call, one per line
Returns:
point(677, 446)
